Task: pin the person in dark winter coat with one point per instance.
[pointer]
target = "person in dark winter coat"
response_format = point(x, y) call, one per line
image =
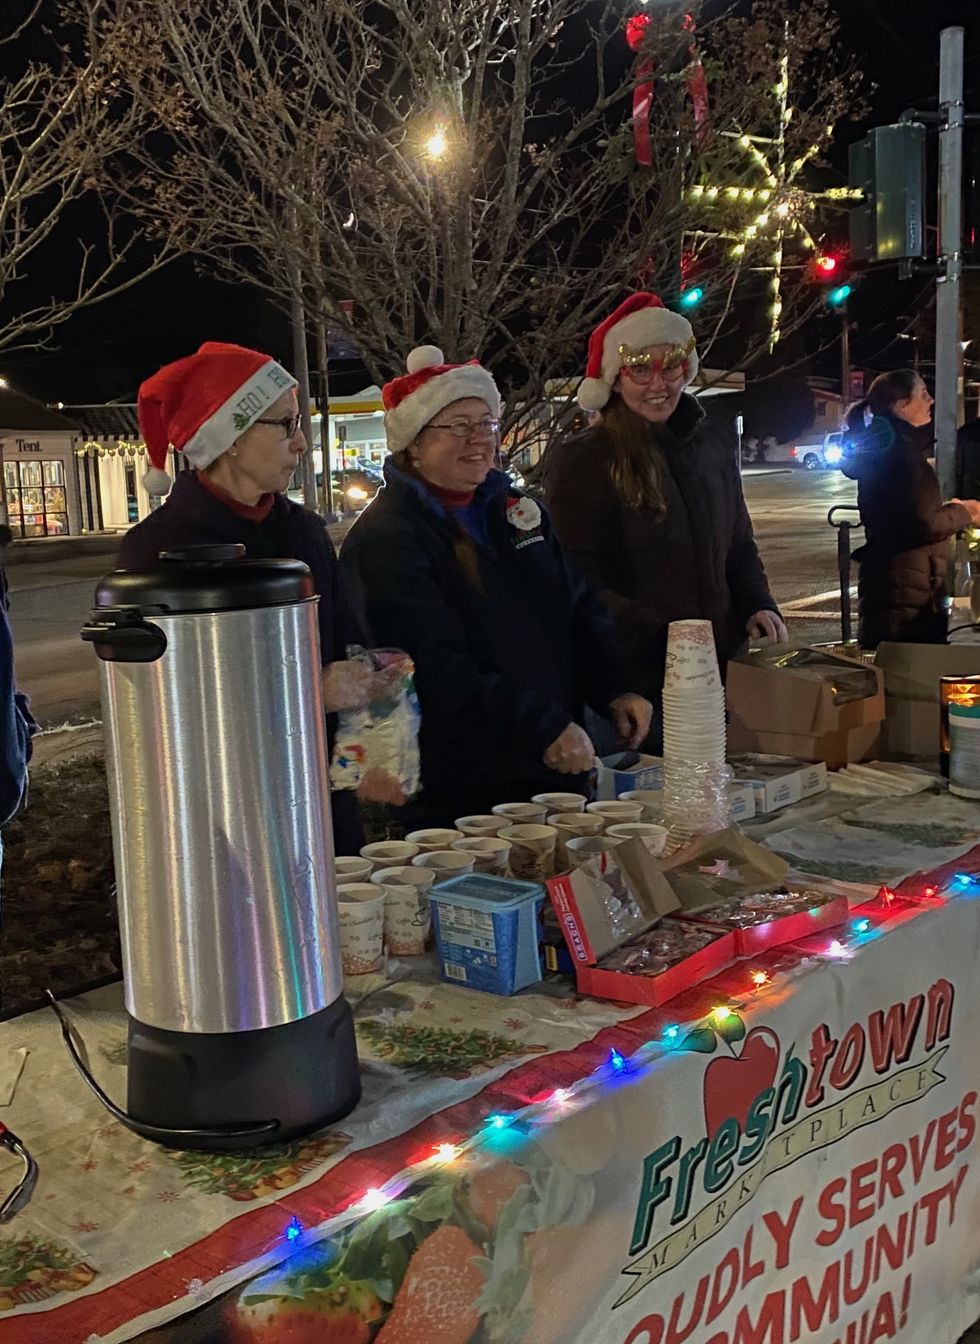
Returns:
point(904, 563)
point(648, 501)
point(968, 460)
point(232, 413)
point(455, 565)
point(17, 724)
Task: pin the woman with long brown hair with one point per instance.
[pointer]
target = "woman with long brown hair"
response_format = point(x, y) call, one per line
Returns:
point(648, 502)
point(454, 564)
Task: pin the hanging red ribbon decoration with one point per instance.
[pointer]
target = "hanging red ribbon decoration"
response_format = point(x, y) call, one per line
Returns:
point(697, 84)
point(636, 28)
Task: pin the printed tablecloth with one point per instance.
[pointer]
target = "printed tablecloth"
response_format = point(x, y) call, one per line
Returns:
point(536, 1229)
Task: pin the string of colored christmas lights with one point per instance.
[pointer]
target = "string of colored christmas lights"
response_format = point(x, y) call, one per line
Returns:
point(617, 1065)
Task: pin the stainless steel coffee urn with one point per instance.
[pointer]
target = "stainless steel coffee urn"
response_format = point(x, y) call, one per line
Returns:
point(239, 1033)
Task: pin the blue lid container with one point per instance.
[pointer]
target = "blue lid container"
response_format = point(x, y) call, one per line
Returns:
point(486, 931)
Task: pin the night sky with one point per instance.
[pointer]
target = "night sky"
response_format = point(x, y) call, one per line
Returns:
point(104, 353)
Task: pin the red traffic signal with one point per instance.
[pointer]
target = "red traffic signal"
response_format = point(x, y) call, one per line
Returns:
point(827, 266)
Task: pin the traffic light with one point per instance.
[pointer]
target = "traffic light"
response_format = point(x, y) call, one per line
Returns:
point(826, 267)
point(889, 167)
point(837, 298)
point(690, 298)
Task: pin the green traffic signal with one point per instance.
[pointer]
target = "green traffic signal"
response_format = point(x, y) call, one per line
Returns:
point(691, 298)
point(839, 296)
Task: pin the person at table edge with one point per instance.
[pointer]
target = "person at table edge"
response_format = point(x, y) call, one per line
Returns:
point(232, 413)
point(455, 564)
point(648, 501)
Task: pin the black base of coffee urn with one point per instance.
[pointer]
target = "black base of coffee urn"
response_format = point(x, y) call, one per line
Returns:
point(303, 1075)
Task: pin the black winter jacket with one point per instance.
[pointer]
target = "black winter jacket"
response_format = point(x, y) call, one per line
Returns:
point(699, 562)
point(501, 670)
point(902, 579)
point(191, 516)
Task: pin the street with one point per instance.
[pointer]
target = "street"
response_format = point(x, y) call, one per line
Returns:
point(50, 599)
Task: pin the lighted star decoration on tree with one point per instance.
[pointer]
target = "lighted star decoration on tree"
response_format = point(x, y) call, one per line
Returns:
point(786, 206)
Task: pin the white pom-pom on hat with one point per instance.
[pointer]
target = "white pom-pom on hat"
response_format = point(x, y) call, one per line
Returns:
point(424, 357)
point(157, 482)
point(593, 394)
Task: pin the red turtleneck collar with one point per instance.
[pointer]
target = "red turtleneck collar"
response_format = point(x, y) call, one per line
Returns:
point(449, 499)
point(252, 513)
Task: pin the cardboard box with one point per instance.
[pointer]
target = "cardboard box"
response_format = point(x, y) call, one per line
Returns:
point(912, 673)
point(758, 868)
point(741, 802)
point(627, 770)
point(579, 903)
point(753, 939)
point(778, 781)
point(782, 711)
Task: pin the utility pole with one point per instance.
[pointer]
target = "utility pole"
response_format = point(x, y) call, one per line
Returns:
point(845, 359)
point(949, 350)
point(301, 371)
point(323, 397)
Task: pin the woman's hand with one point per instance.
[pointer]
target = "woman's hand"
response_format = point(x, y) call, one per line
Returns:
point(572, 753)
point(972, 507)
point(767, 625)
point(347, 685)
point(631, 714)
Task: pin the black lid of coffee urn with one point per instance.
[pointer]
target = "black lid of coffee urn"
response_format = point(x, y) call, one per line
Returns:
point(206, 579)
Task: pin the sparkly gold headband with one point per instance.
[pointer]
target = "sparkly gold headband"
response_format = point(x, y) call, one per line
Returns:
point(676, 354)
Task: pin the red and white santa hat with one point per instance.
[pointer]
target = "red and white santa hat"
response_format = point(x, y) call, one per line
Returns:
point(201, 404)
point(430, 384)
point(639, 322)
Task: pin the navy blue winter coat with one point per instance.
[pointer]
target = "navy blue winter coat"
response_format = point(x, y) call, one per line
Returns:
point(16, 727)
point(502, 667)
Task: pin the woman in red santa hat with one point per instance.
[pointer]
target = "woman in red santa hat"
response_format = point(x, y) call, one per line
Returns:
point(232, 414)
point(454, 564)
point(648, 500)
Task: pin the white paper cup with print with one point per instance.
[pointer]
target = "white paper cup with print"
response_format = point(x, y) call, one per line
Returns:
point(489, 853)
point(407, 919)
point(653, 836)
point(591, 851)
point(560, 802)
point(617, 813)
point(389, 853)
point(352, 868)
point(446, 863)
point(482, 824)
point(361, 912)
point(569, 825)
point(526, 814)
point(433, 838)
point(651, 800)
point(532, 853)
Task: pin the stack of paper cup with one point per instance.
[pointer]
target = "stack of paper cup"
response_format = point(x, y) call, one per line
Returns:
point(695, 774)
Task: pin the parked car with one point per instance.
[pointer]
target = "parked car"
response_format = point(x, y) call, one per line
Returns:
point(821, 455)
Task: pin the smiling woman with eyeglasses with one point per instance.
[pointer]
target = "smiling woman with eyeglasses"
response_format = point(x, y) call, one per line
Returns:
point(456, 565)
point(232, 415)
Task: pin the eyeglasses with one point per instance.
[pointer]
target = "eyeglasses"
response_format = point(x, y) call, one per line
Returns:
point(640, 366)
point(642, 374)
point(21, 1194)
point(470, 429)
point(289, 424)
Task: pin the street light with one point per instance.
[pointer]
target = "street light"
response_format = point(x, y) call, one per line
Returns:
point(437, 144)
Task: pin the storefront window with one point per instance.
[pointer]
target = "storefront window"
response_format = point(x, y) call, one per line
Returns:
point(36, 502)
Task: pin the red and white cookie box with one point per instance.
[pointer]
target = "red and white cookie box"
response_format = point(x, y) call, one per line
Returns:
point(824, 913)
point(579, 903)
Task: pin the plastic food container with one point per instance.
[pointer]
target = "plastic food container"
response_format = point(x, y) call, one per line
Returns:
point(486, 931)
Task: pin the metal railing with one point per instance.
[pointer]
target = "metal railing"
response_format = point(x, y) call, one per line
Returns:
point(844, 526)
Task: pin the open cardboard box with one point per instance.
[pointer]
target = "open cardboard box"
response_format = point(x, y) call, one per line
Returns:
point(759, 869)
point(778, 781)
point(626, 770)
point(578, 900)
point(781, 711)
point(912, 673)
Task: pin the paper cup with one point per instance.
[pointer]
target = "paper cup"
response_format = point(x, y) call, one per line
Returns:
point(527, 814)
point(561, 802)
point(482, 824)
point(389, 853)
point(569, 825)
point(351, 868)
point(654, 837)
point(616, 814)
point(532, 855)
point(361, 911)
point(446, 863)
point(407, 920)
point(489, 853)
point(591, 852)
point(651, 800)
point(432, 839)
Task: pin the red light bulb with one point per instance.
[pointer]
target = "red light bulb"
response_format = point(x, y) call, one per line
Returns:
point(826, 265)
